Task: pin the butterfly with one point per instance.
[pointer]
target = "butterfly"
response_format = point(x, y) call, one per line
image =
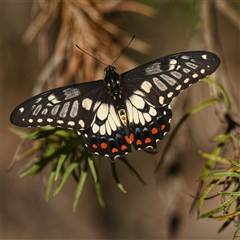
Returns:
point(121, 111)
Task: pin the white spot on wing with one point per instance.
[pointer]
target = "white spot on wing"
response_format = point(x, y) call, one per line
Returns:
point(185, 57)
point(137, 101)
point(64, 110)
point(71, 93)
point(112, 123)
point(191, 65)
point(159, 84)
point(139, 93)
point(141, 118)
point(171, 81)
point(44, 111)
point(135, 116)
point(74, 109)
point(37, 109)
point(49, 120)
point(153, 69)
point(60, 121)
point(71, 123)
point(103, 111)
point(40, 120)
point(152, 111)
point(38, 100)
point(81, 123)
point(87, 103)
point(55, 110)
point(170, 94)
point(96, 105)
point(186, 70)
point(108, 128)
point(195, 75)
point(147, 117)
point(146, 86)
point(173, 62)
point(95, 128)
point(129, 108)
point(53, 99)
point(176, 74)
point(114, 116)
point(178, 87)
point(102, 130)
point(204, 56)
point(21, 110)
point(161, 100)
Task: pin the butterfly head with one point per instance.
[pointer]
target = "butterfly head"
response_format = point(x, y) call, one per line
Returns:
point(109, 69)
point(110, 74)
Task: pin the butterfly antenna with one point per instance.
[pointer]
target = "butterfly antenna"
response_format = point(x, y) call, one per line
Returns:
point(91, 56)
point(124, 49)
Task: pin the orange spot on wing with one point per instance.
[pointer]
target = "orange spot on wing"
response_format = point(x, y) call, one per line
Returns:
point(94, 146)
point(147, 140)
point(163, 127)
point(138, 142)
point(114, 150)
point(129, 139)
point(104, 145)
point(154, 130)
point(123, 147)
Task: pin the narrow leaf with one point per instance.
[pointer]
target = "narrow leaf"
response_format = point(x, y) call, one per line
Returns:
point(79, 189)
point(49, 184)
point(66, 175)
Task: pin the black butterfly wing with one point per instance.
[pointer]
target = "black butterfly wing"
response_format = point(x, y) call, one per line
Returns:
point(161, 80)
point(150, 88)
point(87, 108)
point(70, 107)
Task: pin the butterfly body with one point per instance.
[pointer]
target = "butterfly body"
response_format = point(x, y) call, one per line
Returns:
point(121, 111)
point(115, 90)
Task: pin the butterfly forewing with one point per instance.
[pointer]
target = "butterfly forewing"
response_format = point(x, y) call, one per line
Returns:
point(121, 111)
point(70, 107)
point(161, 80)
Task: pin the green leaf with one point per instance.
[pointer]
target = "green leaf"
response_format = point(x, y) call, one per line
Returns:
point(132, 169)
point(227, 203)
point(221, 89)
point(236, 164)
point(212, 157)
point(230, 193)
point(92, 168)
point(115, 176)
point(220, 175)
point(79, 189)
point(66, 175)
point(225, 224)
point(31, 171)
point(49, 184)
point(223, 138)
point(60, 162)
point(99, 194)
point(236, 232)
point(205, 193)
